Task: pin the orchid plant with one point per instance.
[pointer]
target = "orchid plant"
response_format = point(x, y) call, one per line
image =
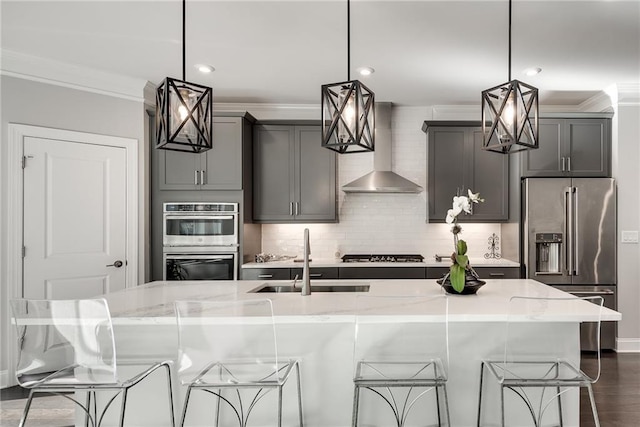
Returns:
point(459, 256)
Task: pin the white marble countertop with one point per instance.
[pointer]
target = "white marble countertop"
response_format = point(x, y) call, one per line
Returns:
point(428, 262)
point(152, 303)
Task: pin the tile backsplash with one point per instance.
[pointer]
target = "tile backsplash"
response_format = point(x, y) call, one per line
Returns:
point(382, 223)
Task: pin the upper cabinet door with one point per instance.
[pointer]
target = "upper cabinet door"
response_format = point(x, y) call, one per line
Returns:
point(273, 172)
point(448, 168)
point(222, 165)
point(491, 180)
point(178, 171)
point(578, 147)
point(546, 159)
point(315, 183)
point(588, 147)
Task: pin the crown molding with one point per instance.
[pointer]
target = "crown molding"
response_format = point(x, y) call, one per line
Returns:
point(272, 111)
point(58, 73)
point(598, 103)
point(628, 94)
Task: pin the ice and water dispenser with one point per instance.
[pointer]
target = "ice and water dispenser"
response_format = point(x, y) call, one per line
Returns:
point(548, 246)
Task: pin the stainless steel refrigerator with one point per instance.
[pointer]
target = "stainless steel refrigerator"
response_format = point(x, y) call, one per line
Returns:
point(569, 241)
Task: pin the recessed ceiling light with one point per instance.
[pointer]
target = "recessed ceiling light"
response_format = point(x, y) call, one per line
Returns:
point(206, 69)
point(365, 71)
point(532, 71)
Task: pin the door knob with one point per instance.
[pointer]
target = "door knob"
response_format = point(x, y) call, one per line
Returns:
point(116, 264)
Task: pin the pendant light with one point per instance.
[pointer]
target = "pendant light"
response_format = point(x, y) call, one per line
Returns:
point(348, 110)
point(184, 111)
point(510, 114)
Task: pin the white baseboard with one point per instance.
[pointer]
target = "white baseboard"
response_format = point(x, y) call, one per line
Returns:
point(628, 345)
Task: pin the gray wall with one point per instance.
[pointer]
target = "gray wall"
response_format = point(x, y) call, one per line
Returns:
point(39, 104)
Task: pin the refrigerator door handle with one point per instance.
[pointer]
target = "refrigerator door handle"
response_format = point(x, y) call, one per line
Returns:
point(575, 232)
point(567, 230)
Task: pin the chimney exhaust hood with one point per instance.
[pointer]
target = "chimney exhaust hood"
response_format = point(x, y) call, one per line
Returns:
point(382, 179)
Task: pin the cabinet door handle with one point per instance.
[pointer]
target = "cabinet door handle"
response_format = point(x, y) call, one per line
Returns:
point(297, 208)
point(315, 275)
point(496, 274)
point(291, 208)
point(195, 177)
point(569, 164)
point(202, 178)
point(265, 276)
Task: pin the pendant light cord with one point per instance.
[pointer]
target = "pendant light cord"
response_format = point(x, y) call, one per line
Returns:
point(348, 40)
point(509, 40)
point(184, 42)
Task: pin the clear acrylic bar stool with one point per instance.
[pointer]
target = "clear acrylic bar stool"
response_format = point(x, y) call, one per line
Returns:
point(538, 376)
point(401, 362)
point(68, 346)
point(228, 349)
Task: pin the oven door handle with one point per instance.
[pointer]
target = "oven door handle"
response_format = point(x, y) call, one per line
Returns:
point(195, 216)
point(210, 257)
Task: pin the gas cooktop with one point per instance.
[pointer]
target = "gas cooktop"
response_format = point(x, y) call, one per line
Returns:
point(383, 258)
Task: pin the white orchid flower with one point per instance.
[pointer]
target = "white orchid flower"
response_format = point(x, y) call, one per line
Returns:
point(451, 216)
point(474, 197)
point(462, 203)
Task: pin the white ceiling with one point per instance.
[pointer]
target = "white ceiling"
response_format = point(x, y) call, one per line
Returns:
point(424, 52)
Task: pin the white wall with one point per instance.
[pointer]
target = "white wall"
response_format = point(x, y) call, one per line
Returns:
point(382, 223)
point(40, 104)
point(626, 158)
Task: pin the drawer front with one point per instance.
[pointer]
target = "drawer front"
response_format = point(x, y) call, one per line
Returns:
point(265, 274)
point(382, 272)
point(316, 273)
point(483, 272)
point(436, 272)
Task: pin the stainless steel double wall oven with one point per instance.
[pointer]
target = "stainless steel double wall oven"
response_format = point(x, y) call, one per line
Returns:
point(200, 241)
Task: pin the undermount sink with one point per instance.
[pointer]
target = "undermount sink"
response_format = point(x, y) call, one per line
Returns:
point(315, 287)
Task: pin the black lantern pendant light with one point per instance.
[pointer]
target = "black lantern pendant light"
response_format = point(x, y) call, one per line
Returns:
point(510, 114)
point(184, 111)
point(348, 110)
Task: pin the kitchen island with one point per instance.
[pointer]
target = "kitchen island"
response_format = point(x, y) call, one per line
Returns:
point(319, 330)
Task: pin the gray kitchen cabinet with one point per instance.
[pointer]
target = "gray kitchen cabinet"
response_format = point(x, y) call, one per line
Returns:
point(220, 168)
point(483, 272)
point(315, 273)
point(294, 177)
point(382, 272)
point(457, 163)
point(579, 147)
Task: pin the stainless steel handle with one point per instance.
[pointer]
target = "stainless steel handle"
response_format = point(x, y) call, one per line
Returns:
point(575, 232)
point(569, 164)
point(297, 208)
point(291, 208)
point(562, 165)
point(202, 178)
point(265, 276)
point(195, 177)
point(212, 258)
point(578, 293)
point(315, 275)
point(496, 274)
point(116, 264)
point(566, 230)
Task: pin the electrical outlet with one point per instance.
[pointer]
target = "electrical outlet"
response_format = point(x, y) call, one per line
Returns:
point(629, 237)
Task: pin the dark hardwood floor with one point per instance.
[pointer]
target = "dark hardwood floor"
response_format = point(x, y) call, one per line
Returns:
point(617, 392)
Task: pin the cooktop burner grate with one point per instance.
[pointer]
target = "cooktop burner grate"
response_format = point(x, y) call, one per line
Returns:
point(383, 258)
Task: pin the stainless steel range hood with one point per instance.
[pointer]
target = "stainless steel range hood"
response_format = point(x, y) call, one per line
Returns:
point(382, 179)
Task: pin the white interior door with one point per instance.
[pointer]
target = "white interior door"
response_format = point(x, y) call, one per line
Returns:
point(75, 219)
